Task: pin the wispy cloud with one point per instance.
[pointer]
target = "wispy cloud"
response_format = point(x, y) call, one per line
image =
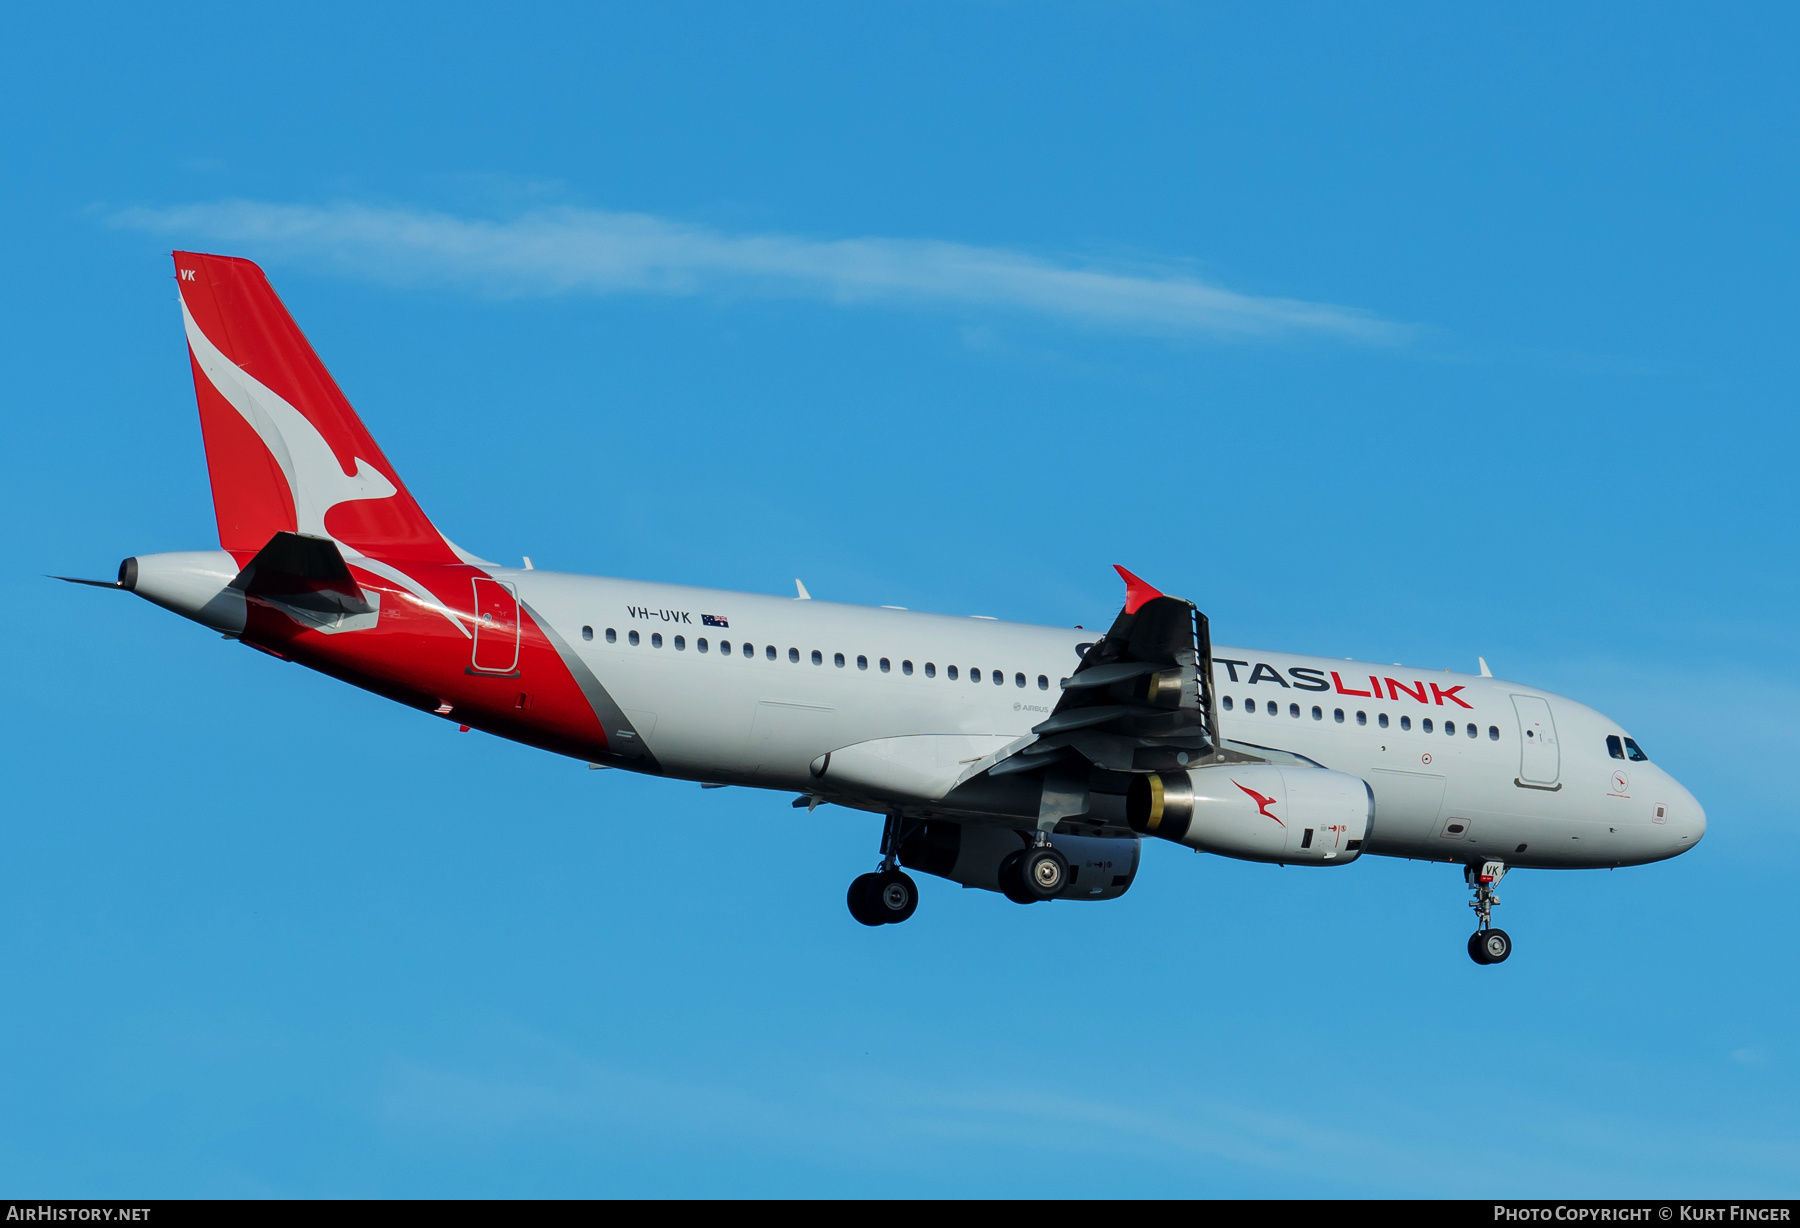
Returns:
point(573, 251)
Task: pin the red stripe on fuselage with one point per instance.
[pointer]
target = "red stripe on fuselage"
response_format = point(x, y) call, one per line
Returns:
point(414, 655)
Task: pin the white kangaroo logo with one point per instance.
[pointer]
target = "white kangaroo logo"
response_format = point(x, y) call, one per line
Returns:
point(314, 476)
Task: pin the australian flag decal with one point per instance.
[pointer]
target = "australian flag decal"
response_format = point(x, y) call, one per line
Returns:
point(714, 620)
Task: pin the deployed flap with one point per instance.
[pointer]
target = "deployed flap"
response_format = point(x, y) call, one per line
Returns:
point(306, 578)
point(1140, 701)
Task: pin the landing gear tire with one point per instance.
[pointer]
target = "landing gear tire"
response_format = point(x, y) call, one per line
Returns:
point(1044, 872)
point(861, 899)
point(1490, 946)
point(895, 897)
point(885, 898)
point(1033, 875)
point(1012, 883)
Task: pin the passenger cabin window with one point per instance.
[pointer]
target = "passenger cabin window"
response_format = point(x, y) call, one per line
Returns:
point(633, 637)
point(906, 668)
point(862, 663)
point(1318, 713)
point(587, 633)
point(818, 658)
point(1043, 683)
point(1000, 678)
point(1274, 708)
point(612, 637)
point(949, 672)
point(1018, 680)
point(1493, 733)
point(1228, 703)
point(885, 667)
point(793, 656)
point(930, 669)
point(1381, 719)
point(681, 643)
point(1294, 711)
point(1425, 724)
point(768, 651)
point(1406, 722)
point(656, 639)
point(1337, 714)
point(1633, 753)
point(700, 643)
point(1362, 718)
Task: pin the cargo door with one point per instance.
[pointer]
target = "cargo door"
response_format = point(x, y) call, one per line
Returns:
point(1540, 759)
point(496, 627)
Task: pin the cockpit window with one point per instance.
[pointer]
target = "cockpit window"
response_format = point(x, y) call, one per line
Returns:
point(1613, 747)
point(1634, 752)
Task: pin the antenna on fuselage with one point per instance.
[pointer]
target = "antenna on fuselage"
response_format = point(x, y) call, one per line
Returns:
point(1485, 671)
point(804, 595)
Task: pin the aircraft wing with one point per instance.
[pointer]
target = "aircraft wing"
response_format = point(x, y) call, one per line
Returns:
point(1141, 700)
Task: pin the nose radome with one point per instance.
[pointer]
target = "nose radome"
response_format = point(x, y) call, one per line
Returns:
point(1690, 820)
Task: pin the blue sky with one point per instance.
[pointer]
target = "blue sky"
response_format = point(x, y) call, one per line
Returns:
point(1405, 334)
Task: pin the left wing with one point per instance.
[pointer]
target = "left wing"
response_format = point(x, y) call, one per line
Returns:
point(1140, 701)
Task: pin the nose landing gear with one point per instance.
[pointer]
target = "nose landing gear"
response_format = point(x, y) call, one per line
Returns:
point(889, 895)
point(1487, 945)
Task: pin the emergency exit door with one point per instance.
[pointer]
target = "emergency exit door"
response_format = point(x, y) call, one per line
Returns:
point(1540, 758)
point(496, 627)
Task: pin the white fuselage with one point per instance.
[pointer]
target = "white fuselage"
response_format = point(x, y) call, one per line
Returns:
point(1463, 768)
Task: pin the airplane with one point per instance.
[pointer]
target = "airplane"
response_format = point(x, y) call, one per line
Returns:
point(1027, 760)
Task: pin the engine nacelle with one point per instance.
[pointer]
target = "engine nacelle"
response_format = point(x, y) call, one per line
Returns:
point(1100, 868)
point(1256, 811)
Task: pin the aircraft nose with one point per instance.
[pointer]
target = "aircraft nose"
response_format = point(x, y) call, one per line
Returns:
point(1687, 825)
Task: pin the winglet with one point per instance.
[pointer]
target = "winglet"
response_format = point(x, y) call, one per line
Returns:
point(1136, 591)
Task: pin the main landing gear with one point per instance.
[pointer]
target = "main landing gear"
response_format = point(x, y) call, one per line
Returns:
point(1034, 874)
point(888, 896)
point(1487, 945)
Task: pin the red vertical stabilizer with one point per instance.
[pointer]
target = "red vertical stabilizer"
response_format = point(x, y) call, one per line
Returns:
point(283, 447)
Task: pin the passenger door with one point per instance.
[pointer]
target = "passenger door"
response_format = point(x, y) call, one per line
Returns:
point(1540, 759)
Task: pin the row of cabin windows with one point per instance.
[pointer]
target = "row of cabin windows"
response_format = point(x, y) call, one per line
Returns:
point(996, 676)
point(1362, 718)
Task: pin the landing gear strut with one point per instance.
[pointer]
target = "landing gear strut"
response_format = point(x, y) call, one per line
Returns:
point(888, 896)
point(1487, 945)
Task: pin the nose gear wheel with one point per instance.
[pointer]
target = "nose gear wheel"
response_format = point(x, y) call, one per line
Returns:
point(1487, 945)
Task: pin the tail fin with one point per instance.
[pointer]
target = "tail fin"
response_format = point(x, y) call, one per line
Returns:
point(285, 451)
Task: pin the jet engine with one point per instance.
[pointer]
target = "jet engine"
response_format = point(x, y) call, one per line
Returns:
point(1100, 868)
point(1256, 811)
